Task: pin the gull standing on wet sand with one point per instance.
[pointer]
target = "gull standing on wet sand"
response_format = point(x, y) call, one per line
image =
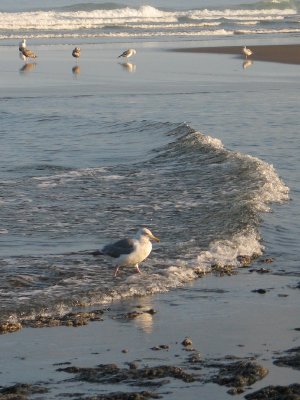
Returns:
point(24, 52)
point(247, 52)
point(128, 53)
point(76, 53)
point(130, 252)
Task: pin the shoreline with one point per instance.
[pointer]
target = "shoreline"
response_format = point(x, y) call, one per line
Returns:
point(286, 54)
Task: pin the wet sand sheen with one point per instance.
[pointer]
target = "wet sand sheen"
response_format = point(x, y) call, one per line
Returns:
point(288, 54)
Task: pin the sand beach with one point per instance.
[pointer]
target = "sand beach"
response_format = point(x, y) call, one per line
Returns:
point(279, 53)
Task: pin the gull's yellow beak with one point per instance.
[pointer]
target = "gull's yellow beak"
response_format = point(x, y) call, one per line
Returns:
point(155, 238)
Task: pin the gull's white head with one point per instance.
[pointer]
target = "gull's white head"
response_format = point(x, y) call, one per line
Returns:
point(147, 233)
point(22, 44)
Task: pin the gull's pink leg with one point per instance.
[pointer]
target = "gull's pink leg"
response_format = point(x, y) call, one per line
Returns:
point(116, 270)
point(137, 267)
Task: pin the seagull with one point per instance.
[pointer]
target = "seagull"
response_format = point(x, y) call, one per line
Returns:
point(27, 54)
point(247, 51)
point(76, 52)
point(22, 45)
point(130, 252)
point(128, 53)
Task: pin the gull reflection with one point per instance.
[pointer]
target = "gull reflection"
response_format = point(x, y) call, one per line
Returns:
point(247, 64)
point(145, 313)
point(28, 67)
point(76, 70)
point(144, 321)
point(129, 67)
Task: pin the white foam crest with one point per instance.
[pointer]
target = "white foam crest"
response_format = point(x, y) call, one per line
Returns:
point(213, 142)
point(247, 22)
point(233, 14)
point(198, 137)
point(273, 188)
point(172, 26)
point(58, 20)
point(81, 19)
point(226, 252)
point(265, 31)
point(218, 32)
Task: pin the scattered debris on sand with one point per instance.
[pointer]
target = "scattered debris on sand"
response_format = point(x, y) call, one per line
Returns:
point(291, 392)
point(21, 391)
point(111, 373)
point(290, 359)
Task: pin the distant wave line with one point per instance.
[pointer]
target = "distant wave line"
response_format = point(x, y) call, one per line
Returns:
point(218, 32)
point(69, 20)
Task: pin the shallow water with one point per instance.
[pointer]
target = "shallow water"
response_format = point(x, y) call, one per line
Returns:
point(88, 158)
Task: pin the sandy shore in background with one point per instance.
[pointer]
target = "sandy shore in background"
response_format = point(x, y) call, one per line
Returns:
point(288, 54)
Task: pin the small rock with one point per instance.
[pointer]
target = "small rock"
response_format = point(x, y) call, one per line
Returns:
point(160, 347)
point(260, 291)
point(235, 391)
point(267, 260)
point(132, 365)
point(155, 348)
point(245, 261)
point(187, 342)
point(240, 374)
point(260, 270)
point(125, 351)
point(8, 327)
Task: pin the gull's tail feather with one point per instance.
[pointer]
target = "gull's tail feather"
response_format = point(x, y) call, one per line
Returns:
point(97, 253)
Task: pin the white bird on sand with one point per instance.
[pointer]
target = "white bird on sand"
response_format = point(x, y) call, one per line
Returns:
point(22, 45)
point(247, 52)
point(128, 53)
point(26, 53)
point(130, 252)
point(76, 52)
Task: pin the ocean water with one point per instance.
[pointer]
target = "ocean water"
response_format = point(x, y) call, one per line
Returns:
point(203, 152)
point(154, 20)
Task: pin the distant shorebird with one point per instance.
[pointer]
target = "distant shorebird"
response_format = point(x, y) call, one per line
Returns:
point(76, 52)
point(247, 52)
point(130, 252)
point(22, 45)
point(128, 53)
point(26, 53)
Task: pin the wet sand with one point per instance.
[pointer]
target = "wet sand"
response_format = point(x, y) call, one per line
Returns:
point(287, 54)
point(137, 351)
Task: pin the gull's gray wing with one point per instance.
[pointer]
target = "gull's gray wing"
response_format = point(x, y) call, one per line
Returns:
point(125, 54)
point(123, 246)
